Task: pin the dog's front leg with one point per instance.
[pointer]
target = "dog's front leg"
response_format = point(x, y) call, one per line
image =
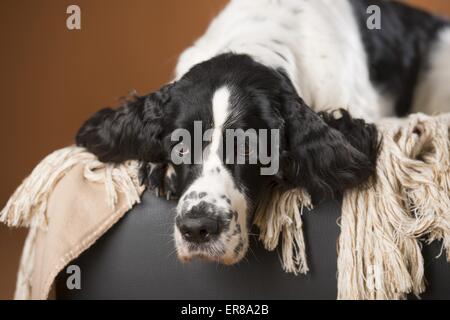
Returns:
point(160, 178)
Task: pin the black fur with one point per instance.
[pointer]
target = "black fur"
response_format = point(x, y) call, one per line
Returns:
point(398, 52)
point(323, 155)
point(361, 135)
point(130, 132)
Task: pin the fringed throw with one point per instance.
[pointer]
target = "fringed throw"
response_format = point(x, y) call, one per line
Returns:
point(27, 207)
point(409, 201)
point(279, 216)
point(28, 204)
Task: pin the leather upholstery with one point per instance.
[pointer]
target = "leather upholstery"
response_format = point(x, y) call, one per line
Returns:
point(136, 260)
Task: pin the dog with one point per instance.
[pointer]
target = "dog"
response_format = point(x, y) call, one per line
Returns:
point(281, 65)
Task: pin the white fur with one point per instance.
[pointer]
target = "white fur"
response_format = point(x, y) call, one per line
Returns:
point(433, 91)
point(220, 108)
point(320, 40)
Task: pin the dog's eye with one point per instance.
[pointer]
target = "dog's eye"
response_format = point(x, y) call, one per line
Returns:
point(245, 149)
point(182, 149)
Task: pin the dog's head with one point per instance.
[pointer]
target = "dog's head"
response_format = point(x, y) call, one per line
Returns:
point(227, 130)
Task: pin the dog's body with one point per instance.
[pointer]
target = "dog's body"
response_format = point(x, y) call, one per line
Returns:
point(333, 58)
point(272, 65)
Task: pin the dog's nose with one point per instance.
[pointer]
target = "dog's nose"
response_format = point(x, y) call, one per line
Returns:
point(199, 229)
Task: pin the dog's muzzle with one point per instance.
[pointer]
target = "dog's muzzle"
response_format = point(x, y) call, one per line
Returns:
point(208, 226)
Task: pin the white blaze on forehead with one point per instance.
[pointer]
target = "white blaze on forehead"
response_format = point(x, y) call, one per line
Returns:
point(220, 107)
point(220, 103)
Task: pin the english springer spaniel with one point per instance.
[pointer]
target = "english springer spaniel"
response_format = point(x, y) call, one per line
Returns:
point(275, 65)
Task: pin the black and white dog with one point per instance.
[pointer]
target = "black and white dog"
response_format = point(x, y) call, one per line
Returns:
point(276, 65)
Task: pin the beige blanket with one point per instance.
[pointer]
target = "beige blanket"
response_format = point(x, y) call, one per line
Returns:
point(70, 200)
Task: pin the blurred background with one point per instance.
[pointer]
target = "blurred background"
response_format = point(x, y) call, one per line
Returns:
point(52, 79)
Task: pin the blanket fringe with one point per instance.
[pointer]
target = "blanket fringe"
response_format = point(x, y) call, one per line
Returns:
point(279, 216)
point(28, 204)
point(381, 227)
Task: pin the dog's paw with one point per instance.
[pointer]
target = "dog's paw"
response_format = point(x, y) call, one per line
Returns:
point(170, 183)
point(160, 178)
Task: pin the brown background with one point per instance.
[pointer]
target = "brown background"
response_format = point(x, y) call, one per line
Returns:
point(52, 78)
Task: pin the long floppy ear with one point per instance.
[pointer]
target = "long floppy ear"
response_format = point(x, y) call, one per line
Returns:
point(323, 154)
point(131, 132)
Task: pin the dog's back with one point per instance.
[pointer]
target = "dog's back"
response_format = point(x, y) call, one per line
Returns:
point(403, 50)
point(333, 57)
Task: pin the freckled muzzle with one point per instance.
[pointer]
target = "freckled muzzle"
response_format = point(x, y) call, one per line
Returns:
point(207, 226)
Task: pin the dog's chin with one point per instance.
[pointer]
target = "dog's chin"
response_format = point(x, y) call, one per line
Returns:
point(225, 259)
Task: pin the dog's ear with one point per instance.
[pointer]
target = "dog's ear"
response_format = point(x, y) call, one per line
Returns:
point(324, 154)
point(133, 131)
